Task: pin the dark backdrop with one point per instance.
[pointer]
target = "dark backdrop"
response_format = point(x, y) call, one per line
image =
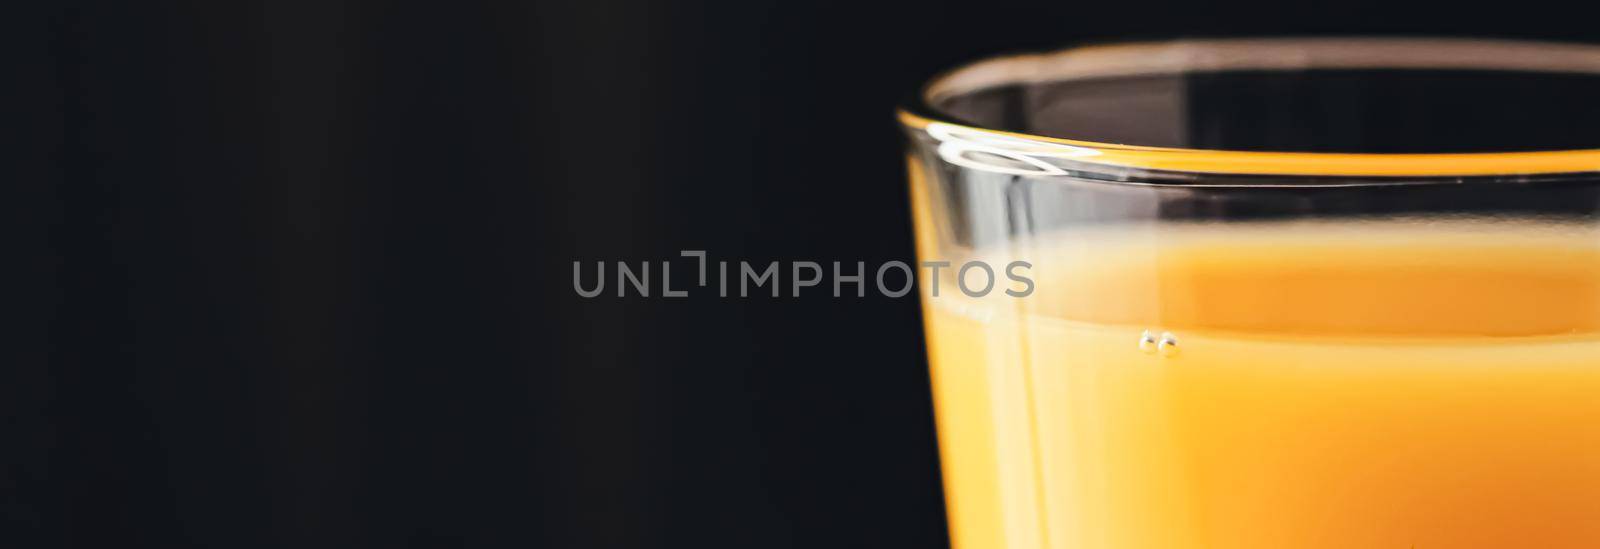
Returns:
point(299, 274)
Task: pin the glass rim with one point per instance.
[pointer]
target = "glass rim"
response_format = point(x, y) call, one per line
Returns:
point(1283, 53)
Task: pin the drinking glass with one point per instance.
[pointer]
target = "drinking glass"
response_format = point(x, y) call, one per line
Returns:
point(1266, 293)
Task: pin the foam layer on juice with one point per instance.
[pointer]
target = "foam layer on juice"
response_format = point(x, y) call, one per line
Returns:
point(1401, 278)
point(1391, 385)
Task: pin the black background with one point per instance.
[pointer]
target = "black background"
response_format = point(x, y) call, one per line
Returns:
point(299, 274)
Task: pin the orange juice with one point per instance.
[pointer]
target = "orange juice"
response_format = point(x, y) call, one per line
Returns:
point(1397, 384)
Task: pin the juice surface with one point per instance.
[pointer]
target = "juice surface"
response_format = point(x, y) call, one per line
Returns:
point(1398, 384)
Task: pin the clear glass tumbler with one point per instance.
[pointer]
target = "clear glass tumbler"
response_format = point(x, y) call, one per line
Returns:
point(1279, 293)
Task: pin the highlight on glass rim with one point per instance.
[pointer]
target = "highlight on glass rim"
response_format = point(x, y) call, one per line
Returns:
point(774, 274)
